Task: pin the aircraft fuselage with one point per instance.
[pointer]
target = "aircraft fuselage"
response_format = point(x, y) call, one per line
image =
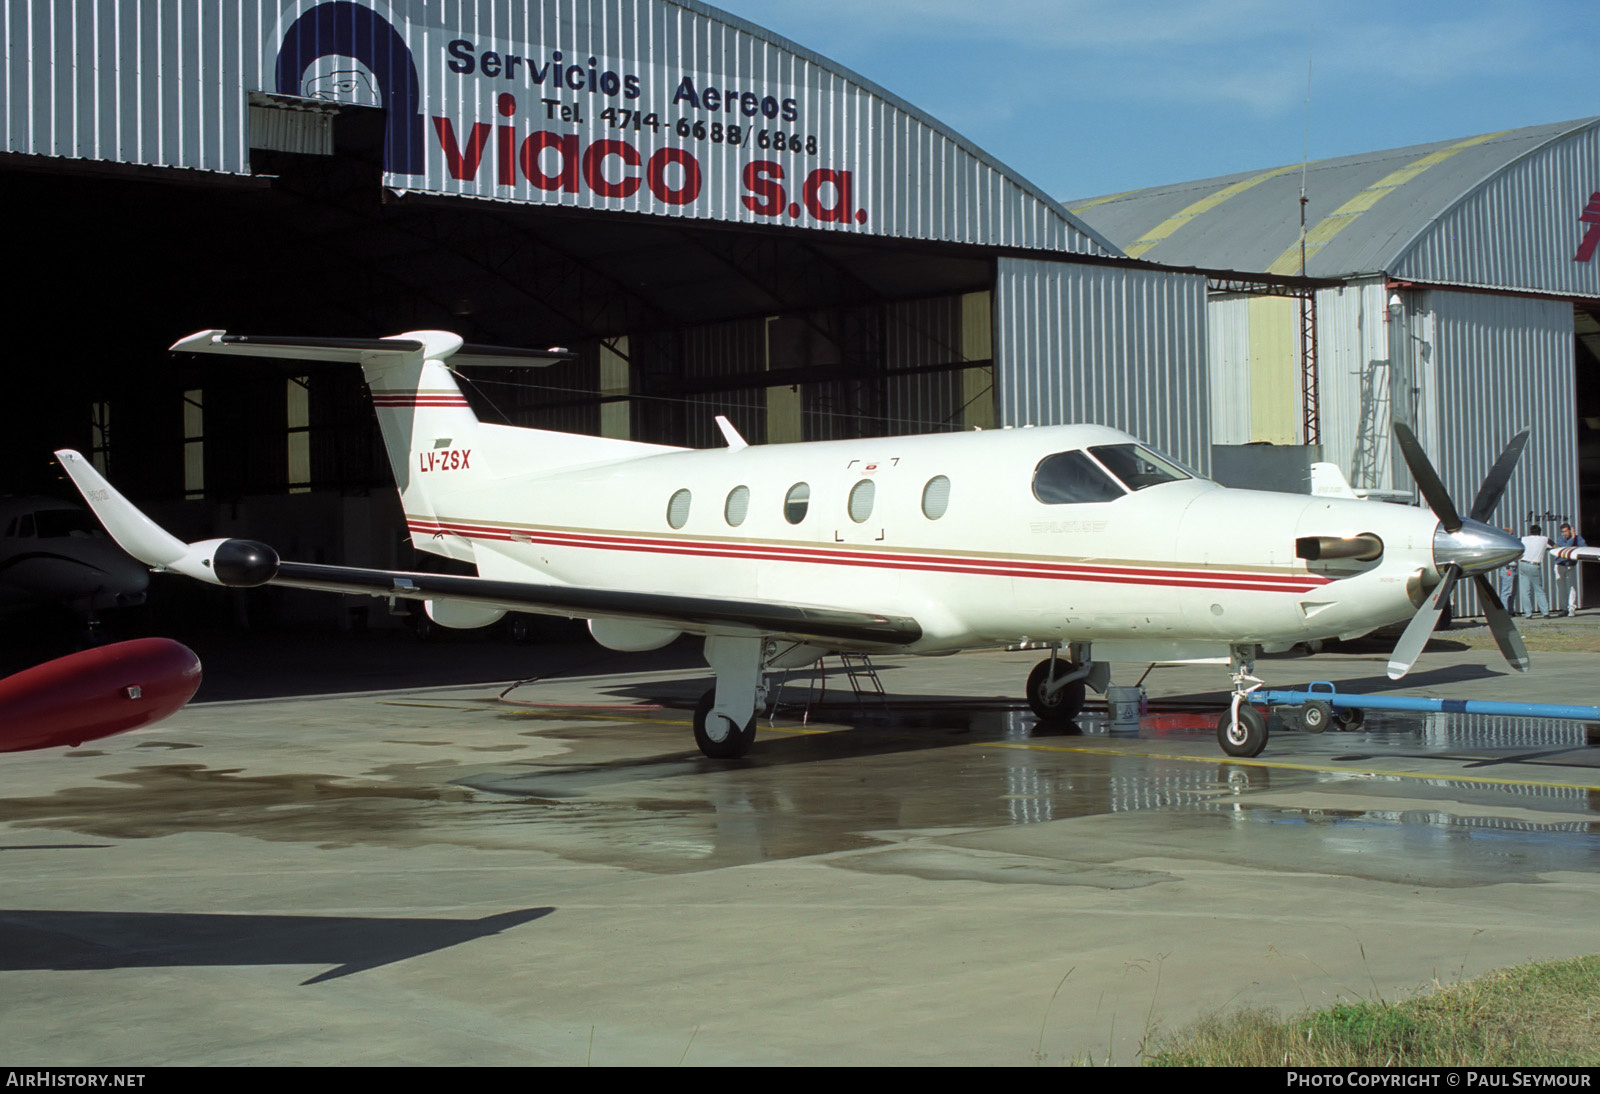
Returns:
point(1183, 561)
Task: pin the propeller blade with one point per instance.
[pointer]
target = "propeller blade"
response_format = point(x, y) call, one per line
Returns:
point(1427, 481)
point(1420, 629)
point(1500, 625)
point(1494, 484)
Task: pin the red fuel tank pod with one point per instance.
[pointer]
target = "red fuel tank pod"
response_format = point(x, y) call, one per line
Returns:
point(95, 693)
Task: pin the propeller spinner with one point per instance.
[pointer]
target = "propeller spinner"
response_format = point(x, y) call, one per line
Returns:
point(1462, 547)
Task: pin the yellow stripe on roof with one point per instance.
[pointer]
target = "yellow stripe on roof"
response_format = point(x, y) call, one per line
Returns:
point(1211, 201)
point(1076, 209)
point(1345, 215)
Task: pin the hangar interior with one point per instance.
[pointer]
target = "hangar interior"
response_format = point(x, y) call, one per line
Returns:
point(793, 338)
point(714, 319)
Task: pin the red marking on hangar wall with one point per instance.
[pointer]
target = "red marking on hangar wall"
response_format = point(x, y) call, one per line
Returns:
point(1591, 238)
point(611, 168)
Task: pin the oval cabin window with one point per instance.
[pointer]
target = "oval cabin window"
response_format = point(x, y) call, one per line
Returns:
point(678, 509)
point(861, 495)
point(796, 502)
point(936, 497)
point(738, 506)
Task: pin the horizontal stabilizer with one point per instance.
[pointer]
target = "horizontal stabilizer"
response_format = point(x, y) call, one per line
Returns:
point(435, 345)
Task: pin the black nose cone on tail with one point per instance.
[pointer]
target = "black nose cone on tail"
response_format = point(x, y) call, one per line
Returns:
point(244, 563)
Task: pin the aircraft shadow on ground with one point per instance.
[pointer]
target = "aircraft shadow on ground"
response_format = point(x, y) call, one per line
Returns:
point(72, 940)
point(903, 724)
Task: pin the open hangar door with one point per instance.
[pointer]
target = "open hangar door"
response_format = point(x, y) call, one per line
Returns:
point(118, 263)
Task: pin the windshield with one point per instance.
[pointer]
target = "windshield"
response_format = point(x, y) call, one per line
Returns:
point(1068, 478)
point(1137, 466)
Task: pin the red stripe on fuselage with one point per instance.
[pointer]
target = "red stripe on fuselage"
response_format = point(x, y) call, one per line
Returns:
point(420, 400)
point(958, 564)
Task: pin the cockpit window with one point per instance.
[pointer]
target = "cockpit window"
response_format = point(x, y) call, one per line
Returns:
point(1071, 477)
point(54, 523)
point(1137, 466)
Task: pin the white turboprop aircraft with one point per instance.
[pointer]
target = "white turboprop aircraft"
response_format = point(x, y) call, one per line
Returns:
point(1077, 537)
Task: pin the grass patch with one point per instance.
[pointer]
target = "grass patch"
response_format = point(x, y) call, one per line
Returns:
point(1539, 636)
point(1544, 1015)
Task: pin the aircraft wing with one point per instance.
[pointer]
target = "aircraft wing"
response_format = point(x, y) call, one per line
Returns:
point(689, 612)
point(244, 564)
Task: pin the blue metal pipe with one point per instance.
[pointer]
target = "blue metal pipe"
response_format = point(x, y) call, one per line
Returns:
point(1323, 690)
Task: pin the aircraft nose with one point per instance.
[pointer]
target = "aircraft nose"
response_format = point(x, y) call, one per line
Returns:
point(1476, 548)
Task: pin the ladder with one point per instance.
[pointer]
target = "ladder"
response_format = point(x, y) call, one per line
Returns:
point(857, 668)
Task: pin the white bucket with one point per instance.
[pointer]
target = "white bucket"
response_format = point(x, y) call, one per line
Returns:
point(1124, 705)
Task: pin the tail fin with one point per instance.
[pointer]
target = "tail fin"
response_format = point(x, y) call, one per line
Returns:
point(438, 449)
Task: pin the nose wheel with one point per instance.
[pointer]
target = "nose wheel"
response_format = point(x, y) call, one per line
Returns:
point(1242, 734)
point(1242, 729)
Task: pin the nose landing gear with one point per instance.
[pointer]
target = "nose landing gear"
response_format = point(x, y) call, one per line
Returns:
point(1242, 729)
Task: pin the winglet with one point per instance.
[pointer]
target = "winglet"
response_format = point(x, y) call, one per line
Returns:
point(236, 562)
point(134, 532)
point(731, 435)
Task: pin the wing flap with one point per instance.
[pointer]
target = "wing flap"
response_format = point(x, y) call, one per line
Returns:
point(693, 613)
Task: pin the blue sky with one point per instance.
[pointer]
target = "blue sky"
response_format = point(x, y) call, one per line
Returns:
point(1090, 97)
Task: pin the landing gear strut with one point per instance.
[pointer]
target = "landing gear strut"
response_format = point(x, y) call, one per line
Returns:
point(1242, 729)
point(725, 717)
point(1056, 686)
point(1051, 698)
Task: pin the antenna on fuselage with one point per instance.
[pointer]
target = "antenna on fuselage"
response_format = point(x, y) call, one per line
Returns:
point(730, 434)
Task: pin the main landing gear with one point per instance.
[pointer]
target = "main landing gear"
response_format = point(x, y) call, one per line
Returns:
point(729, 742)
point(725, 717)
point(1058, 686)
point(1242, 729)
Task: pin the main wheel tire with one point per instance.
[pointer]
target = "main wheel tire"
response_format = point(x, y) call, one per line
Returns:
point(1349, 718)
point(1316, 716)
point(1067, 703)
point(1248, 738)
point(736, 744)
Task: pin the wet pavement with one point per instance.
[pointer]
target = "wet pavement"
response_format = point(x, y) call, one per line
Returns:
point(437, 875)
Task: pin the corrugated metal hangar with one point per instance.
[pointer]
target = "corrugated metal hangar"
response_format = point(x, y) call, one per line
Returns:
point(1460, 295)
point(718, 221)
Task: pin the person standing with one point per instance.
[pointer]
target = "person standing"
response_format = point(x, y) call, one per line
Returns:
point(1530, 572)
point(1567, 572)
point(1508, 582)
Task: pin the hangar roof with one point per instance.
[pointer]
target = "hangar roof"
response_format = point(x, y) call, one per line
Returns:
point(1498, 210)
point(667, 108)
